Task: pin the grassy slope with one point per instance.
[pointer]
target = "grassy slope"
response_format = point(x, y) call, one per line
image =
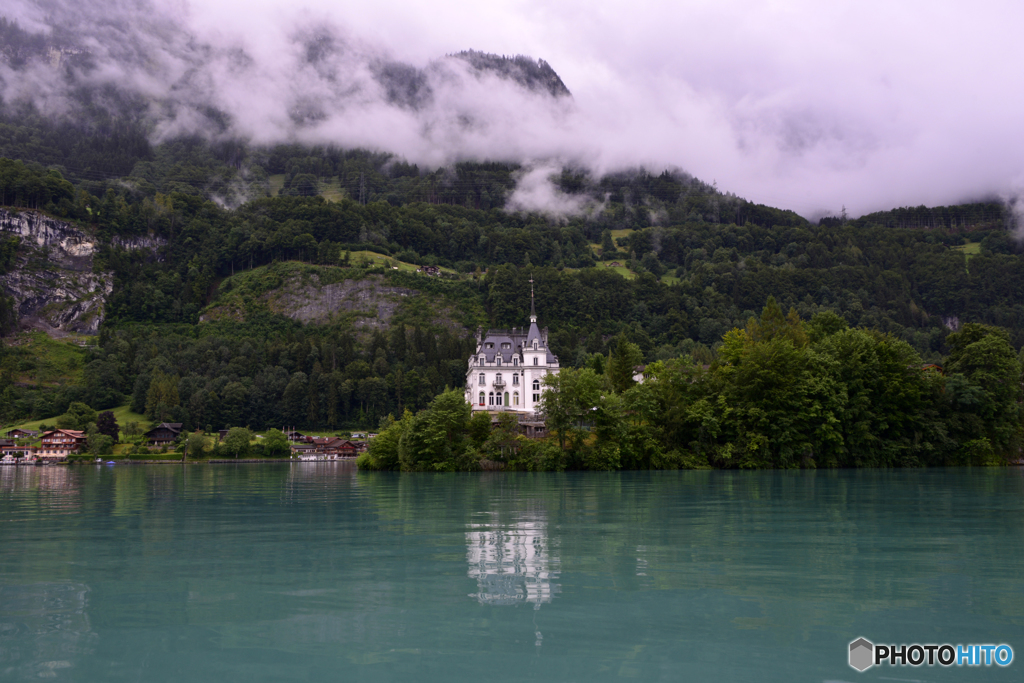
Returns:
point(38, 359)
point(968, 250)
point(330, 189)
point(122, 414)
point(356, 257)
point(276, 184)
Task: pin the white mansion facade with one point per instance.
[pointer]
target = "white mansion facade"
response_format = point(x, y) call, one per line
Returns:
point(506, 371)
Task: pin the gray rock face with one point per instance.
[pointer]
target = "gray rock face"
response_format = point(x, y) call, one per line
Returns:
point(53, 284)
point(314, 303)
point(367, 303)
point(69, 247)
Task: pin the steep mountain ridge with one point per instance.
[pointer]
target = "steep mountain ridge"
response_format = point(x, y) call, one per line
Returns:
point(54, 283)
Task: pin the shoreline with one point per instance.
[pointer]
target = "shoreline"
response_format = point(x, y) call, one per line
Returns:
point(240, 461)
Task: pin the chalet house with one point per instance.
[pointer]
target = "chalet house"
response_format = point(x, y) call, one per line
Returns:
point(303, 449)
point(325, 445)
point(164, 434)
point(429, 270)
point(343, 448)
point(6, 442)
point(58, 444)
point(294, 436)
point(23, 434)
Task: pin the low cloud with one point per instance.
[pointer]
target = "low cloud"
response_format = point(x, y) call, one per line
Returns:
point(797, 104)
point(536, 191)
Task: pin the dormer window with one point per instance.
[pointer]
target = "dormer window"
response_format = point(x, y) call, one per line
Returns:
point(534, 344)
point(506, 345)
point(498, 360)
point(489, 346)
point(515, 360)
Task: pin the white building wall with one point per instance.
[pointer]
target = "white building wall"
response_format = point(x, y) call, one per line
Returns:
point(532, 366)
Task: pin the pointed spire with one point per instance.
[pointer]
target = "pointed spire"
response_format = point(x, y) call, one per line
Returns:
point(534, 333)
point(533, 307)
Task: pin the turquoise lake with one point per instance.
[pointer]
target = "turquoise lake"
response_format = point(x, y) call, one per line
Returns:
point(314, 572)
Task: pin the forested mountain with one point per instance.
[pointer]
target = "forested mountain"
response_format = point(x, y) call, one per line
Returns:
point(205, 324)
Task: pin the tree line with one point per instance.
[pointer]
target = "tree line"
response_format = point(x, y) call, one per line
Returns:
point(782, 393)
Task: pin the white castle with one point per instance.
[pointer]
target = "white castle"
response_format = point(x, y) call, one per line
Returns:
point(506, 371)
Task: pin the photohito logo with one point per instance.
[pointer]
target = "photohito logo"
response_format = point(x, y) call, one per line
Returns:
point(864, 654)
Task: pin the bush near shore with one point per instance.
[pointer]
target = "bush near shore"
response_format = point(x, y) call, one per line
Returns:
point(781, 393)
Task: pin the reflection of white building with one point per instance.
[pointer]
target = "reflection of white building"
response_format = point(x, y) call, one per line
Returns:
point(512, 563)
point(506, 372)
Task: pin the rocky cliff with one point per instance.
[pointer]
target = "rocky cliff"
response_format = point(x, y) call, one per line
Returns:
point(320, 295)
point(54, 284)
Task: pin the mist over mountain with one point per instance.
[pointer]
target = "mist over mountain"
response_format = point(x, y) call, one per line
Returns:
point(126, 61)
point(797, 106)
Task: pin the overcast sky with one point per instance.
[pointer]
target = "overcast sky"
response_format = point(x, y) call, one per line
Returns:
point(798, 104)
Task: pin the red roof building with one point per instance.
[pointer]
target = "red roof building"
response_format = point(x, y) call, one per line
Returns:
point(58, 444)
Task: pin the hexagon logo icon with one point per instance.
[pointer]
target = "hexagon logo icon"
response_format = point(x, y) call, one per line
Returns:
point(862, 654)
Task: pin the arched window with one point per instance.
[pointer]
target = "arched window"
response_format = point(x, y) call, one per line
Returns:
point(497, 399)
point(515, 398)
point(536, 385)
point(506, 398)
point(490, 399)
point(497, 378)
point(483, 379)
point(481, 398)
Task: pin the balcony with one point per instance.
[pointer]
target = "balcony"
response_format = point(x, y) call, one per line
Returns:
point(499, 384)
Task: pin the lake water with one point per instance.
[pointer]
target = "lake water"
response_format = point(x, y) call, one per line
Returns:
point(313, 572)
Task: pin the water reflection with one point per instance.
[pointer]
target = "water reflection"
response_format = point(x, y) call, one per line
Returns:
point(512, 563)
point(57, 486)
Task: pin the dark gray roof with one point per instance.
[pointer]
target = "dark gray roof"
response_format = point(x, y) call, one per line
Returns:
point(498, 337)
point(534, 333)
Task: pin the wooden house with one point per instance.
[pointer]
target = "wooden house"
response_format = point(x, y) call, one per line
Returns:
point(164, 434)
point(23, 434)
point(327, 445)
point(58, 444)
